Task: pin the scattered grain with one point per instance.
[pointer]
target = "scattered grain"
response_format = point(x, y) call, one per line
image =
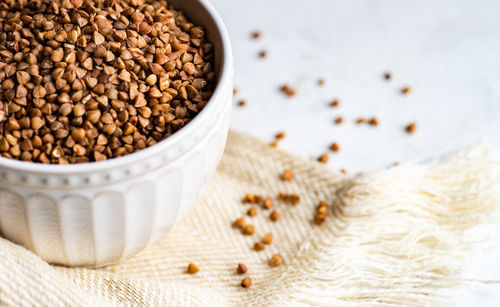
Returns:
point(287, 175)
point(373, 121)
point(192, 268)
point(276, 260)
point(323, 158)
point(280, 135)
point(274, 216)
point(321, 213)
point(287, 90)
point(335, 103)
point(294, 198)
point(252, 211)
point(334, 147)
point(259, 246)
point(246, 282)
point(268, 203)
point(290, 198)
point(239, 223)
point(241, 269)
point(267, 238)
point(249, 199)
point(411, 128)
point(248, 230)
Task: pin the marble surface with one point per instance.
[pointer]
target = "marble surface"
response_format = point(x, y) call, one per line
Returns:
point(447, 51)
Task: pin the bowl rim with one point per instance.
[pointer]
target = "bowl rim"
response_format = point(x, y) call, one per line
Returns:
point(224, 77)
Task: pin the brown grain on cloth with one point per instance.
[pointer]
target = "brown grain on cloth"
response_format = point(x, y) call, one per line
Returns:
point(393, 237)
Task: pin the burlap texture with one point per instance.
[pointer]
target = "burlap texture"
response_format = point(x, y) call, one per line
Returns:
point(393, 237)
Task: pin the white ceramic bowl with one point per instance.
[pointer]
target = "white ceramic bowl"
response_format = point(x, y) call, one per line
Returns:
point(99, 213)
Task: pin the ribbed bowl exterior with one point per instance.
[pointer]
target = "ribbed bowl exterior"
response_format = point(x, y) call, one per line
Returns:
point(97, 219)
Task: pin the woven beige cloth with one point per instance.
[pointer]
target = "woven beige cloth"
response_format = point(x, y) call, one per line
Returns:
point(395, 237)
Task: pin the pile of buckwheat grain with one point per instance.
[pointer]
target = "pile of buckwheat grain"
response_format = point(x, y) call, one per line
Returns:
point(85, 80)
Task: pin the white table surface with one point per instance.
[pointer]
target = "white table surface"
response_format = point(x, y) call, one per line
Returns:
point(447, 51)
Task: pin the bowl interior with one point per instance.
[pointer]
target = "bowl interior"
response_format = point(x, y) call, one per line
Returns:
point(200, 12)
